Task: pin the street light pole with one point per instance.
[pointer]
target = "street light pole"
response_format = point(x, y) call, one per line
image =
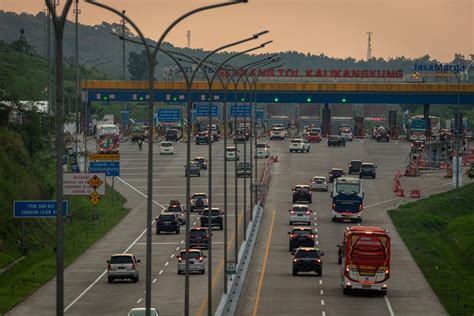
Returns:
point(151, 54)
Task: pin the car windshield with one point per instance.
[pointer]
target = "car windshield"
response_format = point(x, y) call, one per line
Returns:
point(277, 129)
point(302, 232)
point(199, 196)
point(213, 213)
point(367, 167)
point(337, 172)
point(333, 137)
point(313, 133)
point(315, 130)
point(230, 149)
point(300, 209)
point(348, 187)
point(261, 145)
point(302, 189)
point(172, 132)
point(200, 160)
point(244, 165)
point(121, 259)
point(202, 134)
point(307, 254)
point(296, 141)
point(166, 218)
point(193, 166)
point(346, 130)
point(355, 163)
point(192, 255)
point(200, 232)
point(142, 312)
point(166, 144)
point(319, 180)
point(174, 208)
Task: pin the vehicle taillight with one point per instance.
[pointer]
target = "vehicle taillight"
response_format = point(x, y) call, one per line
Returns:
point(318, 260)
point(133, 266)
point(200, 259)
point(311, 236)
point(386, 271)
point(293, 235)
point(347, 268)
point(292, 212)
point(109, 268)
point(361, 206)
point(308, 212)
point(296, 260)
point(334, 206)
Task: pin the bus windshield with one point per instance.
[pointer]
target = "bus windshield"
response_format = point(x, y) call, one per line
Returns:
point(348, 188)
point(368, 247)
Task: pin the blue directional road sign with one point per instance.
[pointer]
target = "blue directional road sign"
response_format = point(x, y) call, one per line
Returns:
point(110, 168)
point(259, 114)
point(169, 115)
point(37, 209)
point(240, 110)
point(203, 110)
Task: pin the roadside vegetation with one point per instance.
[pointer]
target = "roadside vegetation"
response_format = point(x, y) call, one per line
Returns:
point(439, 233)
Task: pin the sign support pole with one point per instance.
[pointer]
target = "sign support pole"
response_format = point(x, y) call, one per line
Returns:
point(113, 190)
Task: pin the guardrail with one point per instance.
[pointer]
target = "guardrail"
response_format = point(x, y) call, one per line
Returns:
point(228, 303)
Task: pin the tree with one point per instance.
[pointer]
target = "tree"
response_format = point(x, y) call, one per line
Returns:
point(470, 172)
point(138, 65)
point(21, 44)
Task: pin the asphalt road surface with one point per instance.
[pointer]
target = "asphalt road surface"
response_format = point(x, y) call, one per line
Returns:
point(272, 290)
point(86, 289)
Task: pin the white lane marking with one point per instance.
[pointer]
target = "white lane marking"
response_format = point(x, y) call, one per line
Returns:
point(169, 243)
point(321, 282)
point(322, 292)
point(177, 248)
point(182, 241)
point(323, 313)
point(194, 223)
point(172, 255)
point(390, 310)
point(125, 251)
point(167, 263)
point(161, 271)
point(322, 302)
point(138, 302)
point(154, 281)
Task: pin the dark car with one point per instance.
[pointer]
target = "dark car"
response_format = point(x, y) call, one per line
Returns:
point(354, 166)
point(302, 194)
point(367, 170)
point(301, 237)
point(202, 138)
point(216, 218)
point(308, 259)
point(336, 140)
point(194, 170)
point(244, 169)
point(240, 137)
point(335, 173)
point(382, 135)
point(199, 202)
point(167, 222)
point(199, 238)
point(201, 161)
point(172, 135)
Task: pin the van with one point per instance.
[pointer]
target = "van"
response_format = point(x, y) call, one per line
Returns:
point(231, 153)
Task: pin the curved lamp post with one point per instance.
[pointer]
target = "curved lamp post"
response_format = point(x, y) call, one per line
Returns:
point(151, 54)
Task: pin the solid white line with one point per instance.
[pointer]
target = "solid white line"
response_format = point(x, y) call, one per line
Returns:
point(160, 272)
point(126, 250)
point(138, 302)
point(167, 263)
point(390, 310)
point(322, 302)
point(154, 281)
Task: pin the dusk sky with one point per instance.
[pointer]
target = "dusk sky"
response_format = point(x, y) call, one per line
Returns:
point(336, 28)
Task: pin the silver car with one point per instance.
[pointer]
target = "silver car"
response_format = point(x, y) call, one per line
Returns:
point(319, 183)
point(196, 261)
point(123, 266)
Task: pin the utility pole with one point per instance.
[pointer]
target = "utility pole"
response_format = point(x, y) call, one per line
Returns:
point(188, 35)
point(48, 57)
point(76, 12)
point(369, 46)
point(123, 46)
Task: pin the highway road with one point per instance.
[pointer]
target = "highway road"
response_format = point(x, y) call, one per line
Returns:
point(86, 289)
point(271, 289)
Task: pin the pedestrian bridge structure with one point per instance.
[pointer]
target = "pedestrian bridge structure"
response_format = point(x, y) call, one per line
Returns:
point(284, 92)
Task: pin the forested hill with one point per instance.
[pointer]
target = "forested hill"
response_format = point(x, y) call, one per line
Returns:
point(97, 42)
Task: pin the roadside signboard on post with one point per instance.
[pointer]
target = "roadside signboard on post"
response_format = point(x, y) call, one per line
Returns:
point(78, 183)
point(110, 168)
point(169, 115)
point(37, 209)
point(240, 110)
point(203, 109)
point(104, 157)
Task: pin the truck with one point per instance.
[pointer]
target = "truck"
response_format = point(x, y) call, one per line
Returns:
point(108, 139)
point(347, 200)
point(364, 256)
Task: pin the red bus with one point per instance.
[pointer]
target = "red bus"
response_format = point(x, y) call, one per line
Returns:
point(365, 258)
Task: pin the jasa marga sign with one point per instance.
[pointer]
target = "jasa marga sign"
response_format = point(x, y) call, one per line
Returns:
point(439, 67)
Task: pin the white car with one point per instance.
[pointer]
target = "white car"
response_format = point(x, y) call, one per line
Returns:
point(262, 151)
point(299, 145)
point(300, 213)
point(278, 132)
point(346, 133)
point(166, 148)
point(231, 153)
point(196, 261)
point(319, 183)
point(141, 311)
point(123, 266)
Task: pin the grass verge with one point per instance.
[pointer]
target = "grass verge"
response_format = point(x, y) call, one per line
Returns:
point(439, 233)
point(80, 233)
